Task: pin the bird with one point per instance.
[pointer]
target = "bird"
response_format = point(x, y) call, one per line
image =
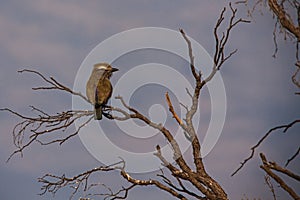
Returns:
point(99, 88)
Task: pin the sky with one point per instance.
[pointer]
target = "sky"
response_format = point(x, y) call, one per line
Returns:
point(55, 37)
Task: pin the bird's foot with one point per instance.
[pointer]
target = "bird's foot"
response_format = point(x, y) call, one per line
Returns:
point(108, 115)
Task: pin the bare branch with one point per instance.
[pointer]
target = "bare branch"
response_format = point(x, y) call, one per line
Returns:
point(111, 195)
point(167, 134)
point(219, 59)
point(172, 168)
point(124, 191)
point(201, 180)
point(275, 40)
point(267, 166)
point(180, 188)
point(192, 64)
point(55, 85)
point(171, 109)
point(30, 129)
point(52, 183)
point(152, 182)
point(284, 19)
point(220, 44)
point(253, 148)
point(189, 127)
point(276, 167)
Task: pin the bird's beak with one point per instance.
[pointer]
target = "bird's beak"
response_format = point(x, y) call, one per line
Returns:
point(114, 69)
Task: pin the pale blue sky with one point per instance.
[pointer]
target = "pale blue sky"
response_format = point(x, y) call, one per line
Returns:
point(54, 37)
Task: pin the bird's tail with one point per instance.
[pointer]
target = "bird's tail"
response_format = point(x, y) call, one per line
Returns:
point(98, 112)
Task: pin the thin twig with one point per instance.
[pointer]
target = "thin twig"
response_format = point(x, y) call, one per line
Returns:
point(293, 157)
point(270, 185)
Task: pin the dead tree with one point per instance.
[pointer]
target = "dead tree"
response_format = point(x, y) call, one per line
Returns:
point(287, 20)
point(32, 129)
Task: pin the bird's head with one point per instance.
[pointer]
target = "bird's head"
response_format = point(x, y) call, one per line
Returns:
point(104, 67)
point(103, 70)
